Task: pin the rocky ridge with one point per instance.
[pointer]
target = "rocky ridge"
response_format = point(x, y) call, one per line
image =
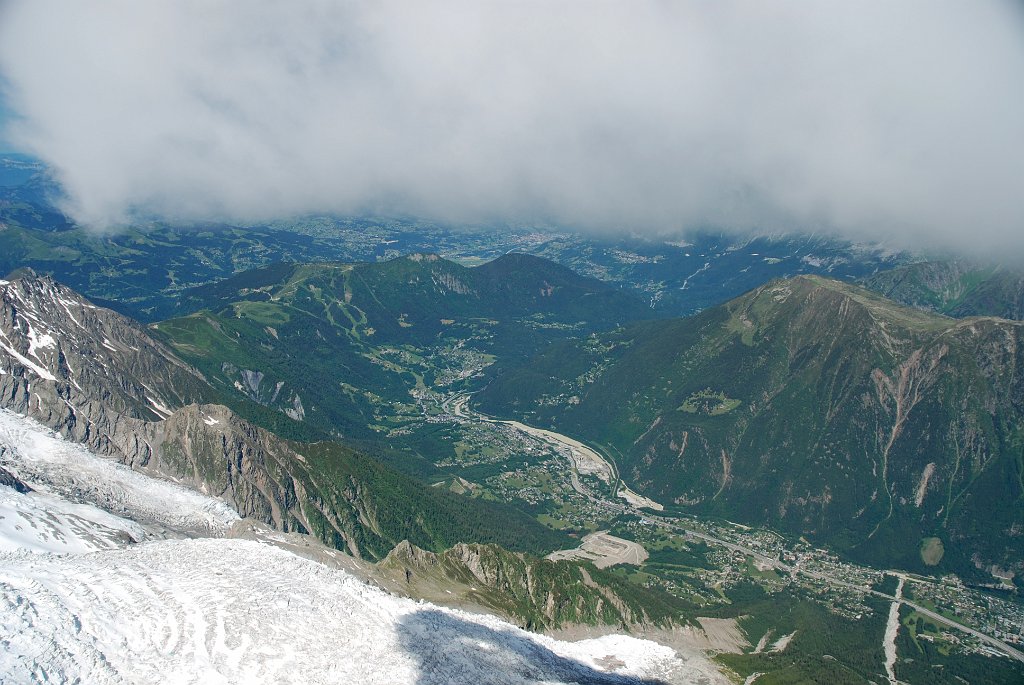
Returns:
point(536, 593)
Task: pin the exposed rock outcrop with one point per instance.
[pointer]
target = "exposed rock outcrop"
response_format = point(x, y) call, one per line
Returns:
point(538, 593)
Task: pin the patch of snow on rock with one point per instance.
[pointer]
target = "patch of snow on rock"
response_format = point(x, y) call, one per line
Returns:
point(25, 361)
point(39, 342)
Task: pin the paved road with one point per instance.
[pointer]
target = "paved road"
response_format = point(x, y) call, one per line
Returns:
point(778, 565)
point(987, 639)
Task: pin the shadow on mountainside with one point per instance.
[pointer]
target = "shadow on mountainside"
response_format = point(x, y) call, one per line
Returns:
point(453, 650)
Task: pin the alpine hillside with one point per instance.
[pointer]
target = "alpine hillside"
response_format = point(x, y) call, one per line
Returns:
point(348, 349)
point(813, 406)
point(954, 287)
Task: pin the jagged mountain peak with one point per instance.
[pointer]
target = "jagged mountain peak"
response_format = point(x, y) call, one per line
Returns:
point(50, 333)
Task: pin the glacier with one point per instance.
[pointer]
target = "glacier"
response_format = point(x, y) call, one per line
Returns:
point(51, 464)
point(110, 576)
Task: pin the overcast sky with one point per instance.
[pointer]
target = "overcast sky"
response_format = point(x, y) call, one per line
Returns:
point(871, 119)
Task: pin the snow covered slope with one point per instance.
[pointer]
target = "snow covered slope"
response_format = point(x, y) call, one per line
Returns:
point(218, 610)
point(50, 464)
point(82, 601)
point(41, 523)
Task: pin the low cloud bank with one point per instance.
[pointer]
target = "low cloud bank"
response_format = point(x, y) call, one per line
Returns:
point(871, 119)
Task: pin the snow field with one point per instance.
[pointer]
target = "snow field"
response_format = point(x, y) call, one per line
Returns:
point(236, 611)
point(80, 601)
point(51, 464)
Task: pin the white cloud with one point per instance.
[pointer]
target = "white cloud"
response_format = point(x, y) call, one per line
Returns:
point(869, 118)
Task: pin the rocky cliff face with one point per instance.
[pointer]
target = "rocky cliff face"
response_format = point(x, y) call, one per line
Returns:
point(49, 333)
point(98, 378)
point(89, 373)
point(537, 593)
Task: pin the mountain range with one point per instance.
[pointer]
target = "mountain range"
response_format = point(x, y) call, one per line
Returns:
point(809, 404)
point(337, 347)
point(144, 270)
point(98, 378)
point(325, 404)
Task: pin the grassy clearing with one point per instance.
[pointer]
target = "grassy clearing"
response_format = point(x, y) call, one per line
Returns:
point(262, 312)
point(552, 522)
point(932, 551)
point(709, 402)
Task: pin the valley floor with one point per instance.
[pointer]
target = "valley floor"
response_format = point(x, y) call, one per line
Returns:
point(961, 621)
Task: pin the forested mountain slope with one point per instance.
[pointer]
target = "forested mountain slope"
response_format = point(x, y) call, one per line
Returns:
point(341, 346)
point(813, 406)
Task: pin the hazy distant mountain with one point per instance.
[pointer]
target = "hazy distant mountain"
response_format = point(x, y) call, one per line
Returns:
point(144, 270)
point(954, 287)
point(683, 275)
